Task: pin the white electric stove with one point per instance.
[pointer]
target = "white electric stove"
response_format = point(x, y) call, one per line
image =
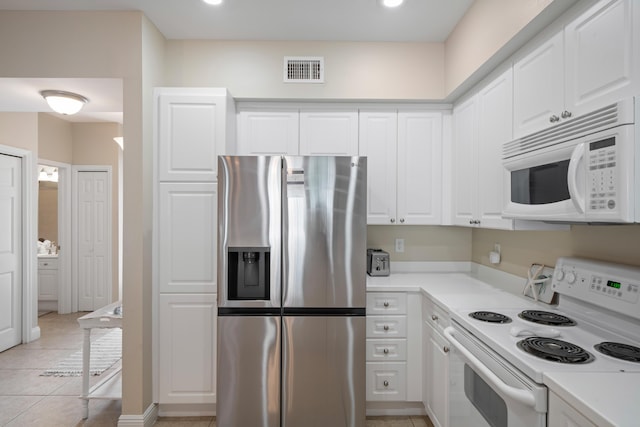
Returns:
point(504, 352)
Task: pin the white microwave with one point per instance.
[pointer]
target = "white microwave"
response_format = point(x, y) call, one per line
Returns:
point(586, 169)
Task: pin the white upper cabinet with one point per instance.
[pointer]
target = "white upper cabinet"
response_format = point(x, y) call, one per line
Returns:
point(268, 132)
point(593, 62)
point(194, 126)
point(419, 167)
point(482, 125)
point(538, 82)
point(404, 166)
point(329, 133)
point(378, 141)
point(602, 55)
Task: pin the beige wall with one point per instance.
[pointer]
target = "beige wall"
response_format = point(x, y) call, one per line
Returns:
point(20, 130)
point(54, 139)
point(520, 249)
point(254, 69)
point(422, 243)
point(109, 45)
point(486, 27)
point(93, 144)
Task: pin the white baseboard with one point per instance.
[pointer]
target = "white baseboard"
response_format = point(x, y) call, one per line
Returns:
point(145, 420)
point(186, 410)
point(395, 409)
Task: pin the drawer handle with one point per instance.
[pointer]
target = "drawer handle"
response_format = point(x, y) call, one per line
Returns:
point(385, 383)
point(385, 327)
point(445, 349)
point(434, 317)
point(45, 264)
point(386, 304)
point(385, 351)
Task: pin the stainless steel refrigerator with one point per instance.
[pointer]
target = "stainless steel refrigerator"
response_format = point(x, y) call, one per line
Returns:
point(291, 291)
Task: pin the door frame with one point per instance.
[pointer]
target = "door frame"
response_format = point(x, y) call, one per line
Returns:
point(30, 328)
point(75, 170)
point(64, 234)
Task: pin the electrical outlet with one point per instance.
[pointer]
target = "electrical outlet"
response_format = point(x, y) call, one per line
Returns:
point(399, 245)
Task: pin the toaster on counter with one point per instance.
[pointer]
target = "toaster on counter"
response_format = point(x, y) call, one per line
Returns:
point(377, 262)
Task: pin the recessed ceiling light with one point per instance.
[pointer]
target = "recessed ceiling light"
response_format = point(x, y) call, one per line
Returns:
point(213, 2)
point(392, 3)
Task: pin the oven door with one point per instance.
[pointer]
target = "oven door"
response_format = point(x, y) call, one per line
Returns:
point(485, 391)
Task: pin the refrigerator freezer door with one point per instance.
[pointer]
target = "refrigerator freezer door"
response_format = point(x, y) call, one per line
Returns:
point(323, 378)
point(249, 231)
point(248, 392)
point(324, 232)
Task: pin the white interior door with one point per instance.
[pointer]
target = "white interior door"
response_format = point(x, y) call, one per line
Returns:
point(10, 251)
point(93, 240)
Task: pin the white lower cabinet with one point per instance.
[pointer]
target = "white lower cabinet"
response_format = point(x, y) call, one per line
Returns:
point(561, 414)
point(394, 368)
point(187, 349)
point(47, 279)
point(436, 363)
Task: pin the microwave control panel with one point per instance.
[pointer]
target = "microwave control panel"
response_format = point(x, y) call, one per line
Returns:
point(601, 176)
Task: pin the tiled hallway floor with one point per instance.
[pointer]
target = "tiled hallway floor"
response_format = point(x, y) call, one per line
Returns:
point(28, 399)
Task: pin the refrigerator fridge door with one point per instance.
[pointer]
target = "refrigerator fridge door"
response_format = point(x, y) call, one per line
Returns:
point(248, 371)
point(249, 229)
point(324, 232)
point(323, 373)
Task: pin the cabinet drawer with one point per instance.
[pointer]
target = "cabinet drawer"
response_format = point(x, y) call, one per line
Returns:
point(434, 316)
point(386, 350)
point(47, 264)
point(386, 303)
point(386, 326)
point(386, 381)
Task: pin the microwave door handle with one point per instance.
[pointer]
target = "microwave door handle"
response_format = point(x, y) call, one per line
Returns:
point(572, 177)
point(523, 396)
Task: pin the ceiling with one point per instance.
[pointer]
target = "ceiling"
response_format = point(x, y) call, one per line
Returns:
point(319, 20)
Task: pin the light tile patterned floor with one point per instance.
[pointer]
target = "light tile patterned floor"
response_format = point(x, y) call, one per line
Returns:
point(28, 399)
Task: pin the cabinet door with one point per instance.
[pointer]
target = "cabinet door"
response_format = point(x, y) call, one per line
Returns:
point(191, 133)
point(438, 391)
point(464, 185)
point(268, 132)
point(187, 348)
point(47, 285)
point(601, 51)
point(495, 112)
point(378, 140)
point(386, 381)
point(419, 168)
point(329, 133)
point(561, 414)
point(538, 87)
point(187, 241)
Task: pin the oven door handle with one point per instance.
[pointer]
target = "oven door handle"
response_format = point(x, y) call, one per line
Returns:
point(519, 395)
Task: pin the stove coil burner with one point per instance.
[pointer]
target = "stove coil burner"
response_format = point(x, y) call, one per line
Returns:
point(489, 316)
point(619, 351)
point(555, 350)
point(546, 318)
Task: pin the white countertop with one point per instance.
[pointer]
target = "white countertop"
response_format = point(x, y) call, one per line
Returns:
point(607, 399)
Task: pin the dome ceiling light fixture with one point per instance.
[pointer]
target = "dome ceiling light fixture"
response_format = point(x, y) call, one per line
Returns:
point(213, 2)
point(63, 102)
point(392, 3)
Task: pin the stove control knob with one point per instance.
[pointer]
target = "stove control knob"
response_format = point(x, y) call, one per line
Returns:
point(559, 275)
point(571, 278)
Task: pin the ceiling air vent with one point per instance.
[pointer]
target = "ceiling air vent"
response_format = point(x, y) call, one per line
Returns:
point(303, 69)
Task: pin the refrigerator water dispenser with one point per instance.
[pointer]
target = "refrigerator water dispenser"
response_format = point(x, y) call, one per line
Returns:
point(248, 273)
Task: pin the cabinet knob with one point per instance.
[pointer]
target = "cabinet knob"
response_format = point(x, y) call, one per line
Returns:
point(385, 351)
point(386, 383)
point(565, 114)
point(445, 349)
point(402, 220)
point(45, 263)
point(434, 317)
point(386, 304)
point(554, 119)
point(385, 327)
point(393, 220)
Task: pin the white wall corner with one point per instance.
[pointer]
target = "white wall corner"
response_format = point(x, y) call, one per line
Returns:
point(145, 420)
